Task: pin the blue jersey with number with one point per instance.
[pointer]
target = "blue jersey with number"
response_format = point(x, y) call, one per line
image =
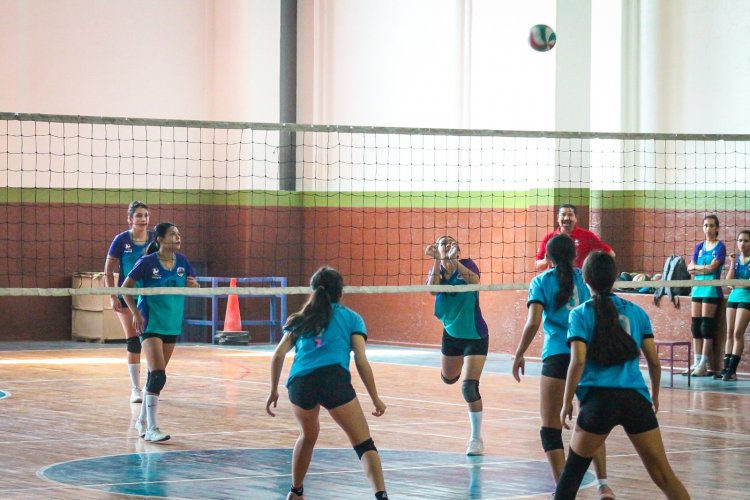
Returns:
point(741, 272)
point(703, 256)
point(330, 347)
point(542, 290)
point(459, 312)
point(628, 375)
point(128, 252)
point(163, 314)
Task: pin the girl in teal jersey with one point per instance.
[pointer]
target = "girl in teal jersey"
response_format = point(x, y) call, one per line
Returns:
point(465, 333)
point(324, 333)
point(158, 318)
point(606, 335)
point(738, 307)
point(552, 295)
point(125, 250)
point(705, 264)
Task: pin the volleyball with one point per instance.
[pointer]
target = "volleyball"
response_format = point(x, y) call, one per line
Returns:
point(542, 38)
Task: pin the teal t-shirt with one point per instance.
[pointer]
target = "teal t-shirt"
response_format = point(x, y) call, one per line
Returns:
point(741, 272)
point(333, 346)
point(703, 257)
point(459, 312)
point(128, 252)
point(163, 314)
point(542, 290)
point(628, 375)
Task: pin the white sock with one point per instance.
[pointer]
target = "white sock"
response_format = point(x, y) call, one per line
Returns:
point(134, 370)
point(601, 482)
point(142, 416)
point(696, 359)
point(475, 419)
point(703, 361)
point(151, 402)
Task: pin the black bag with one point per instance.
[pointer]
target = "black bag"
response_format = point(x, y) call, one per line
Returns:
point(674, 269)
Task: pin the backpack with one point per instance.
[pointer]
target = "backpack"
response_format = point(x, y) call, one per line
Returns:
point(674, 269)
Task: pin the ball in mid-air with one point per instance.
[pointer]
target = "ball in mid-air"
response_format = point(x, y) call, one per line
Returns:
point(542, 38)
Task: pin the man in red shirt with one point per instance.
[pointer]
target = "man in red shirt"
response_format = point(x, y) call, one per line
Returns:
point(586, 241)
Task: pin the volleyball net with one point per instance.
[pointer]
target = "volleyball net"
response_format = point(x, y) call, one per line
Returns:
point(260, 199)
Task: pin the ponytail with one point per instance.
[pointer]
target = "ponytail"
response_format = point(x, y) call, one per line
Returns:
point(161, 231)
point(562, 251)
point(611, 344)
point(564, 273)
point(315, 315)
point(152, 247)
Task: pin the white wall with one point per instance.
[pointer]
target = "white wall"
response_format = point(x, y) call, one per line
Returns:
point(425, 63)
point(189, 59)
point(694, 66)
point(436, 63)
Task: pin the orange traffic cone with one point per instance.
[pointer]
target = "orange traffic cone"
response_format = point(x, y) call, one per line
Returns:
point(232, 332)
point(232, 321)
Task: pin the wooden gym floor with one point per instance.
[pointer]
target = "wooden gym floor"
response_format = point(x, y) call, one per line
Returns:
point(67, 431)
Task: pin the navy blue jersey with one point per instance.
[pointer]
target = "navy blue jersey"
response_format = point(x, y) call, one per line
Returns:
point(741, 272)
point(459, 312)
point(163, 314)
point(703, 257)
point(128, 252)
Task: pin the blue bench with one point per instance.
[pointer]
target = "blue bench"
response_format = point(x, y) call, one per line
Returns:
point(277, 305)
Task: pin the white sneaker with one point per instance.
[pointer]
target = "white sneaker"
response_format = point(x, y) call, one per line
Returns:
point(136, 395)
point(140, 426)
point(476, 447)
point(700, 371)
point(155, 435)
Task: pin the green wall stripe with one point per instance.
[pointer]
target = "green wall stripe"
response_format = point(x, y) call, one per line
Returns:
point(671, 200)
point(630, 199)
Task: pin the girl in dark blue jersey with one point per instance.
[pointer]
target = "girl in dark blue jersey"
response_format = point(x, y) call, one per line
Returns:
point(606, 335)
point(125, 250)
point(705, 264)
point(552, 295)
point(158, 318)
point(738, 308)
point(465, 333)
point(324, 333)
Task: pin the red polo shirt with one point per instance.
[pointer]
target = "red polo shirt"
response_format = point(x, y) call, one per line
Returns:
point(586, 242)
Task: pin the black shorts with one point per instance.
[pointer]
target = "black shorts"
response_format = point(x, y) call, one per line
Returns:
point(167, 339)
point(453, 346)
point(706, 300)
point(604, 408)
point(738, 305)
point(556, 366)
point(329, 386)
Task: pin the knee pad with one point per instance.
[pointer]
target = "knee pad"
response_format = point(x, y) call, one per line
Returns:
point(133, 344)
point(470, 390)
point(156, 381)
point(449, 381)
point(695, 328)
point(708, 327)
point(551, 439)
point(364, 447)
